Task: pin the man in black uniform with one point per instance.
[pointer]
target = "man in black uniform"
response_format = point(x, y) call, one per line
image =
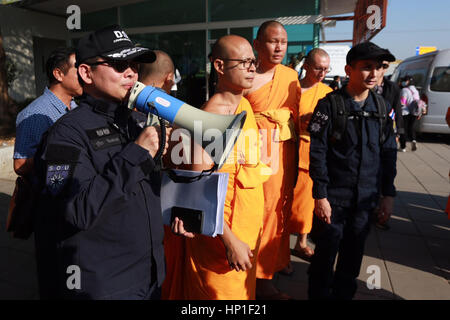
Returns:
point(391, 92)
point(353, 159)
point(98, 226)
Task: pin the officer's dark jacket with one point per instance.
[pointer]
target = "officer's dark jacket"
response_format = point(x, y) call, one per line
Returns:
point(99, 208)
point(391, 92)
point(356, 168)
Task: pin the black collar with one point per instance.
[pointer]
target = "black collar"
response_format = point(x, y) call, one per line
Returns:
point(117, 112)
point(103, 107)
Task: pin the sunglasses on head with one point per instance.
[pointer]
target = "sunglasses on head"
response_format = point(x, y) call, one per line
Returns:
point(118, 65)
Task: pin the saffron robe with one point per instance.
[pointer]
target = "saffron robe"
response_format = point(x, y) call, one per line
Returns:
point(303, 203)
point(273, 103)
point(202, 267)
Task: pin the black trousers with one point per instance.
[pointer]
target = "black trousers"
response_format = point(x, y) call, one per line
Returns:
point(410, 122)
point(345, 235)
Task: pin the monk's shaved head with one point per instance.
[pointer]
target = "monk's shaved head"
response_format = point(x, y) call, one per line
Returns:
point(231, 55)
point(262, 28)
point(271, 44)
point(317, 65)
point(226, 46)
point(314, 53)
point(158, 70)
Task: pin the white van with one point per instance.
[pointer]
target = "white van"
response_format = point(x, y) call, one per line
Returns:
point(431, 73)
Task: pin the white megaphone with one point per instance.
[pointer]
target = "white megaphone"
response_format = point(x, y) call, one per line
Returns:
point(148, 99)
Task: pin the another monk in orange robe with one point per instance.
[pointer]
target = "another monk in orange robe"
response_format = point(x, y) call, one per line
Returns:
point(316, 65)
point(274, 98)
point(224, 267)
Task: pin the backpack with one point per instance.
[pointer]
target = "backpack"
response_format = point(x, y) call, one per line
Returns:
point(417, 107)
point(340, 115)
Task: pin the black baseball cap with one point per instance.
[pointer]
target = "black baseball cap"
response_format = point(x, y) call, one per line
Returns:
point(111, 43)
point(368, 51)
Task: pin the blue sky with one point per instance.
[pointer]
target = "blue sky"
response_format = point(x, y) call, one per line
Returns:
point(410, 23)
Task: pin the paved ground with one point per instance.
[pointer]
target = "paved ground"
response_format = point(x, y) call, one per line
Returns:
point(413, 256)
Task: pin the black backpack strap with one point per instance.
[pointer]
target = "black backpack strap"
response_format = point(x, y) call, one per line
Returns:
point(382, 115)
point(338, 116)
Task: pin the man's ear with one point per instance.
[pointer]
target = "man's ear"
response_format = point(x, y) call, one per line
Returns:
point(348, 68)
point(168, 82)
point(170, 78)
point(218, 65)
point(58, 74)
point(84, 71)
point(306, 67)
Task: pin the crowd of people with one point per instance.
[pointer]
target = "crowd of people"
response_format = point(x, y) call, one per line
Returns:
point(329, 157)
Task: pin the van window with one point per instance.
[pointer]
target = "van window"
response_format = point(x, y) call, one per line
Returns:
point(395, 76)
point(418, 69)
point(440, 81)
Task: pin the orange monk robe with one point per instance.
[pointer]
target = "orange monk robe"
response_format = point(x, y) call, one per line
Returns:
point(174, 246)
point(276, 107)
point(174, 252)
point(303, 204)
point(206, 273)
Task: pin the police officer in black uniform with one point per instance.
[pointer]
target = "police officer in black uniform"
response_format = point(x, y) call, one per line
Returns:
point(353, 160)
point(98, 226)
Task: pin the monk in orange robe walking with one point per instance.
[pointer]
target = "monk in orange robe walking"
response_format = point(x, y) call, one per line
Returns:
point(316, 65)
point(224, 267)
point(274, 98)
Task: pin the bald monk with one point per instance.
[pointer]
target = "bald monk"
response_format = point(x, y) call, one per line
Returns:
point(316, 65)
point(224, 267)
point(274, 98)
point(158, 74)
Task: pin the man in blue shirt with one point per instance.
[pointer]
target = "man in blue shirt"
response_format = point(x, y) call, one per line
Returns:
point(39, 115)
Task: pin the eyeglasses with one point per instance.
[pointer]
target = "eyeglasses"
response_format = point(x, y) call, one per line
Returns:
point(244, 63)
point(324, 70)
point(118, 65)
point(385, 65)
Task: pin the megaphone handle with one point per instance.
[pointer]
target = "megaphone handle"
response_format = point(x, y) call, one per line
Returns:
point(149, 119)
point(162, 141)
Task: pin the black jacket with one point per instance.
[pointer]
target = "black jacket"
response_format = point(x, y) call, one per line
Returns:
point(99, 209)
point(391, 92)
point(355, 169)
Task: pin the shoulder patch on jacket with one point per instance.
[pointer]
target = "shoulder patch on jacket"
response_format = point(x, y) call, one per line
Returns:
point(57, 176)
point(318, 121)
point(61, 161)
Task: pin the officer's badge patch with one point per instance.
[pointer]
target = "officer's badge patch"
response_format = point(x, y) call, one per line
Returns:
point(315, 127)
point(57, 176)
point(318, 121)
